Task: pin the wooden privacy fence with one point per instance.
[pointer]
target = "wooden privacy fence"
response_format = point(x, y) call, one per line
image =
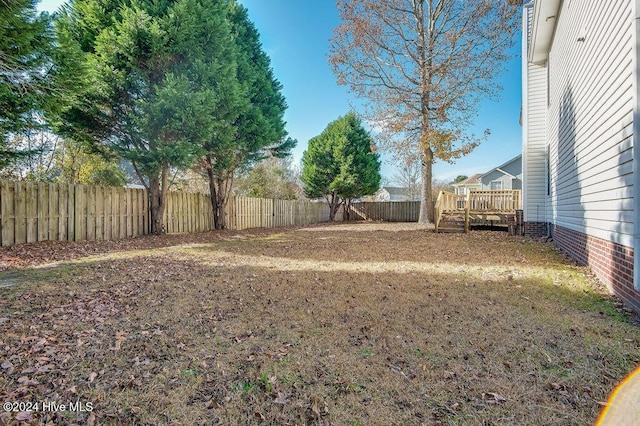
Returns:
point(191, 212)
point(245, 212)
point(187, 212)
point(31, 212)
point(392, 211)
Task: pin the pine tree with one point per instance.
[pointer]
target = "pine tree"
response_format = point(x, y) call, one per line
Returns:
point(340, 164)
point(256, 122)
point(158, 82)
point(25, 48)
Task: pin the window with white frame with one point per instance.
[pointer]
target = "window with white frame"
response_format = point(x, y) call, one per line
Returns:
point(496, 185)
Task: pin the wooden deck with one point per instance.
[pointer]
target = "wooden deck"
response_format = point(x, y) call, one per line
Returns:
point(454, 213)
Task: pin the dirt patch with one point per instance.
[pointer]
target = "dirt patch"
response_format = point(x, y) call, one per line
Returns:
point(334, 324)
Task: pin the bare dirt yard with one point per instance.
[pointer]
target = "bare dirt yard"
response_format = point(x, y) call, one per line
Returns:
point(366, 324)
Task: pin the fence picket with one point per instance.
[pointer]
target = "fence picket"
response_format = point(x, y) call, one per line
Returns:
point(7, 210)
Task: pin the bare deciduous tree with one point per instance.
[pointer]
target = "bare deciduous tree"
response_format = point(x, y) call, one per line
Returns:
point(441, 185)
point(408, 174)
point(424, 65)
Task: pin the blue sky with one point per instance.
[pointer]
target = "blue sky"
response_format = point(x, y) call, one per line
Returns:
point(295, 34)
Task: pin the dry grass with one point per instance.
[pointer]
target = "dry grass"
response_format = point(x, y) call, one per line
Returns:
point(345, 324)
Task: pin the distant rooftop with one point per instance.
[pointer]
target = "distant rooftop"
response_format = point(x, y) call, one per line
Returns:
point(475, 179)
point(396, 190)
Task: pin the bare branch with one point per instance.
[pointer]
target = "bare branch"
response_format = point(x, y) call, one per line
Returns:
point(423, 65)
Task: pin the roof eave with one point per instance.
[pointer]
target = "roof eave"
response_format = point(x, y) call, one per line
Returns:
point(502, 166)
point(545, 16)
point(505, 172)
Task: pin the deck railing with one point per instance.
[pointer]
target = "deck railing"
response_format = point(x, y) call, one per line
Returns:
point(494, 201)
point(446, 201)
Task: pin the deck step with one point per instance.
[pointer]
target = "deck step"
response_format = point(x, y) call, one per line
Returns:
point(451, 222)
point(450, 230)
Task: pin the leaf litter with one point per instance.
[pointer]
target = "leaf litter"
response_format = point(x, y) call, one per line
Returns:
point(206, 329)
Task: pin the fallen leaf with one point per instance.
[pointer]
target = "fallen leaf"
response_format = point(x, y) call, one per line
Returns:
point(493, 398)
point(7, 366)
point(119, 339)
point(25, 381)
point(212, 403)
point(23, 416)
point(46, 368)
point(281, 399)
point(314, 406)
point(448, 375)
point(92, 377)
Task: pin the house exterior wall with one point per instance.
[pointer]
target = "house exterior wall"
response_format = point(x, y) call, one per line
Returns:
point(383, 195)
point(496, 176)
point(512, 168)
point(586, 121)
point(516, 183)
point(463, 189)
point(589, 120)
point(534, 161)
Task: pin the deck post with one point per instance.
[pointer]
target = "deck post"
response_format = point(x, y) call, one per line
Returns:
point(467, 211)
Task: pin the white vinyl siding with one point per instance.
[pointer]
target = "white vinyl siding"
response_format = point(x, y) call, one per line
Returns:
point(589, 121)
point(534, 168)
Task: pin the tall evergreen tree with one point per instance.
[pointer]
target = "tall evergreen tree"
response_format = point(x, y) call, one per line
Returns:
point(256, 123)
point(25, 47)
point(340, 164)
point(159, 81)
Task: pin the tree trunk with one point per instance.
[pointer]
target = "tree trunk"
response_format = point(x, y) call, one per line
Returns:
point(426, 45)
point(347, 209)
point(222, 198)
point(214, 198)
point(219, 187)
point(426, 196)
point(158, 198)
point(218, 190)
point(334, 205)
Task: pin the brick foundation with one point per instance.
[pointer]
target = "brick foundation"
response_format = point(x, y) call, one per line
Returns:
point(536, 229)
point(611, 262)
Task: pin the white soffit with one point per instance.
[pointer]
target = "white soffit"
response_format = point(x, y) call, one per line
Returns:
point(545, 16)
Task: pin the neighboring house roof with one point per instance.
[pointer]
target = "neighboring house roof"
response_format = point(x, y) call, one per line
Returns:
point(501, 167)
point(395, 190)
point(473, 180)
